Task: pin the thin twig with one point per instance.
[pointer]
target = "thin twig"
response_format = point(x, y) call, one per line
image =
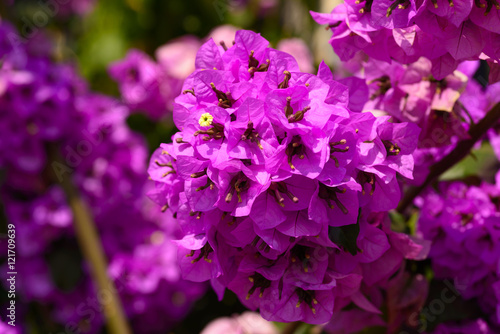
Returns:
point(93, 252)
point(476, 132)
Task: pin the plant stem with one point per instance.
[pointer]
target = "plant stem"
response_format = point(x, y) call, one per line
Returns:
point(476, 132)
point(90, 244)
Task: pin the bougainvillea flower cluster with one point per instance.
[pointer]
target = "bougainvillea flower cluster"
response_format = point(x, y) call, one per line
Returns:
point(463, 222)
point(44, 104)
point(273, 182)
point(446, 32)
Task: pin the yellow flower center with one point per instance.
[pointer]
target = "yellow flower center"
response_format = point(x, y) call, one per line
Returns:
point(206, 119)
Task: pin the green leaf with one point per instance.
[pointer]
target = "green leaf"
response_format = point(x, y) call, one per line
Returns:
point(346, 236)
point(398, 223)
point(412, 222)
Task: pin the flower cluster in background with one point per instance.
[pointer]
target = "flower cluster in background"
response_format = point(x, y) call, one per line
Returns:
point(47, 109)
point(463, 222)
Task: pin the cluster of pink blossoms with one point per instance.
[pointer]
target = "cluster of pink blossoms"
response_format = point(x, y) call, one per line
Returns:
point(445, 31)
point(275, 184)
